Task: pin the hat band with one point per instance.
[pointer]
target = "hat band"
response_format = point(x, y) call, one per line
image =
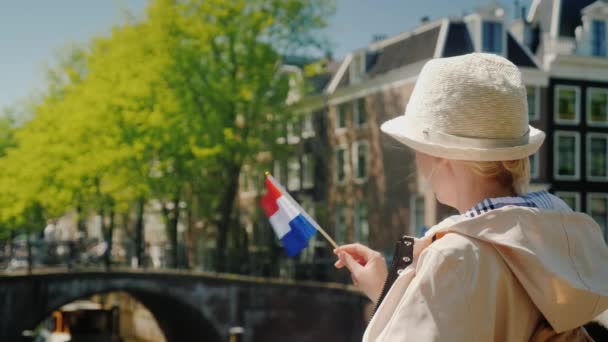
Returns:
point(448, 139)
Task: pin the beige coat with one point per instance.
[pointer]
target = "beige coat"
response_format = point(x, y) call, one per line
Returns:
point(497, 277)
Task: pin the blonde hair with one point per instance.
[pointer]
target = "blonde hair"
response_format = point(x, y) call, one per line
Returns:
point(513, 174)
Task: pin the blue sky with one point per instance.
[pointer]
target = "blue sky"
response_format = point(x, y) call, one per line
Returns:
point(32, 32)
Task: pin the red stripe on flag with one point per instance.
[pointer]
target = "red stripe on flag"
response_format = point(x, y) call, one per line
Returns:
point(269, 201)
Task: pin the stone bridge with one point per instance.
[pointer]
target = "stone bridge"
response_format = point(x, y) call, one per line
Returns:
point(191, 306)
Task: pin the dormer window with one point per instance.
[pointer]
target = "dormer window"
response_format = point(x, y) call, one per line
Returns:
point(598, 38)
point(492, 37)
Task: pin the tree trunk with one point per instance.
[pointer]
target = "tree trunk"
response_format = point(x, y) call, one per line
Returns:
point(109, 240)
point(28, 242)
point(171, 220)
point(80, 221)
point(225, 210)
point(139, 231)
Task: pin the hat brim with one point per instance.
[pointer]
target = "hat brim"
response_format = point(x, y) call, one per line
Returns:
point(410, 133)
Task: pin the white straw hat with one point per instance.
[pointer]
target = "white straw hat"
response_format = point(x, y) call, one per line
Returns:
point(469, 107)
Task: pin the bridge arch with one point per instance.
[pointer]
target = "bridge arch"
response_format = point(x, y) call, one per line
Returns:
point(178, 319)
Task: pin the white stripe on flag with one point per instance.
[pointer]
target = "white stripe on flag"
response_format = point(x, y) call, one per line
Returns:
point(294, 203)
point(280, 223)
point(280, 220)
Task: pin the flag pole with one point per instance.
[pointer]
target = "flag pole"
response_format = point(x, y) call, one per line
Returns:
point(312, 221)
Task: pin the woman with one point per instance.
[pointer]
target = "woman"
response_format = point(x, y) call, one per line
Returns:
point(513, 266)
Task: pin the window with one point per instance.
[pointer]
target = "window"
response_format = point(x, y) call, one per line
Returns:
point(597, 107)
point(572, 199)
point(598, 38)
point(417, 215)
point(566, 104)
point(360, 159)
point(340, 157)
point(293, 174)
point(341, 116)
point(534, 172)
point(597, 204)
point(340, 224)
point(360, 111)
point(277, 171)
point(308, 129)
point(292, 134)
point(533, 103)
point(361, 223)
point(597, 155)
point(492, 37)
point(308, 171)
point(566, 161)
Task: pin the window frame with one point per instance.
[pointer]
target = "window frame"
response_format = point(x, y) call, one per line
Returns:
point(577, 104)
point(593, 40)
point(308, 126)
point(577, 157)
point(536, 115)
point(576, 195)
point(340, 109)
point(357, 113)
point(345, 149)
point(355, 159)
point(503, 35)
point(340, 209)
point(306, 159)
point(588, 198)
point(534, 160)
point(296, 161)
point(413, 209)
point(588, 137)
point(357, 221)
point(588, 109)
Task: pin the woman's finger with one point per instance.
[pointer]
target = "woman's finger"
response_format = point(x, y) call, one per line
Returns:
point(358, 251)
point(350, 263)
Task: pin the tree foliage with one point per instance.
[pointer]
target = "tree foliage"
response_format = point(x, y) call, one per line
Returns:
point(168, 108)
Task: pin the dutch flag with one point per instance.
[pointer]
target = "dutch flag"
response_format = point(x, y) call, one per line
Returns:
point(293, 226)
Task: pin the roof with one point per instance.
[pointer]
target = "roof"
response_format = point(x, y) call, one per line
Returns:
point(421, 44)
point(458, 40)
point(415, 48)
point(562, 15)
point(570, 15)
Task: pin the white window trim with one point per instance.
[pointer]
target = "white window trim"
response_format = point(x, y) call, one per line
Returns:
point(344, 224)
point(292, 136)
point(504, 35)
point(299, 176)
point(576, 195)
point(588, 138)
point(413, 198)
point(577, 155)
point(577, 105)
point(536, 103)
point(308, 132)
point(590, 196)
point(337, 112)
point(357, 222)
point(536, 158)
point(356, 113)
point(355, 159)
point(277, 169)
point(588, 110)
point(310, 159)
point(346, 163)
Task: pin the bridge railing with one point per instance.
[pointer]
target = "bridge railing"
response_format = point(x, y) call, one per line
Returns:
point(21, 255)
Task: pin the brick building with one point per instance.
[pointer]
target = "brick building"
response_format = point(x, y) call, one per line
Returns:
point(362, 185)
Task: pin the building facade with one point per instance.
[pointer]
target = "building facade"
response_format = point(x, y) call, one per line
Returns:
point(362, 185)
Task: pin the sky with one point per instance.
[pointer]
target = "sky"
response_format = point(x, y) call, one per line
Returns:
point(33, 32)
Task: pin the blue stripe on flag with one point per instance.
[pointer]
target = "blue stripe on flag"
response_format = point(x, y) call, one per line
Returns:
point(297, 238)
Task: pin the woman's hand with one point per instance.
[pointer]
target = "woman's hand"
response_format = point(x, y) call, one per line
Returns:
point(367, 267)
